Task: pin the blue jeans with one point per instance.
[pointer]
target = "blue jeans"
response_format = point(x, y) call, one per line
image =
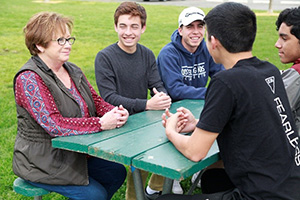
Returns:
point(105, 178)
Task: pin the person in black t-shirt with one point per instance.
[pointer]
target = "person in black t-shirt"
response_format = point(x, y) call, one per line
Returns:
point(247, 111)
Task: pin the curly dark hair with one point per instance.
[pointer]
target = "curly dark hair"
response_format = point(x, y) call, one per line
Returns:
point(291, 17)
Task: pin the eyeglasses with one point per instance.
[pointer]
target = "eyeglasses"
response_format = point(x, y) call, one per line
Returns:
point(62, 41)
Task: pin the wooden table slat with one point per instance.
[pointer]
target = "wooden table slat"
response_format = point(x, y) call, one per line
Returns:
point(142, 143)
point(124, 148)
point(80, 143)
point(157, 162)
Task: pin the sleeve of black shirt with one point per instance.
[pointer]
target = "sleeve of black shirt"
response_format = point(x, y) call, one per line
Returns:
point(218, 107)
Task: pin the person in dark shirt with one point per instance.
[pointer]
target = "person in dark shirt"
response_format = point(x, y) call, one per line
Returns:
point(185, 64)
point(126, 70)
point(247, 111)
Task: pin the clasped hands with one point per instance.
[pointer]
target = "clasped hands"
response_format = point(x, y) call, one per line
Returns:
point(115, 118)
point(183, 121)
point(159, 101)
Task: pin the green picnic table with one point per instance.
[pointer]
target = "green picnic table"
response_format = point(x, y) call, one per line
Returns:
point(142, 144)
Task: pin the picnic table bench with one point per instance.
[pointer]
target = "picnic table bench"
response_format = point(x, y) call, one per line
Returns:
point(20, 186)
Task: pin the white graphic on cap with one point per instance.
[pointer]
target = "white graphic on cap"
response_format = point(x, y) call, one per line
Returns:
point(271, 83)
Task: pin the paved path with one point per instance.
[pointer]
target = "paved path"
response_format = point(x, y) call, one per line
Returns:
point(277, 5)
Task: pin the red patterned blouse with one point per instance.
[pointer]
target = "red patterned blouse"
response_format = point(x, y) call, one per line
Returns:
point(32, 94)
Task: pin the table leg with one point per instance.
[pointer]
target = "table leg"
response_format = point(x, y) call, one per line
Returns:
point(138, 184)
point(192, 188)
point(167, 186)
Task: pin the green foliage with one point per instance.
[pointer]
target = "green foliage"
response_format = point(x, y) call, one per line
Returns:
point(94, 30)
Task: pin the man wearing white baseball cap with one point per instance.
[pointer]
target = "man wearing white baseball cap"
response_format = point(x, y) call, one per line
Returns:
point(185, 64)
point(189, 15)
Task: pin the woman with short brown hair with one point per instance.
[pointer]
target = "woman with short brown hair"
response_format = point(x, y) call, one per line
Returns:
point(54, 98)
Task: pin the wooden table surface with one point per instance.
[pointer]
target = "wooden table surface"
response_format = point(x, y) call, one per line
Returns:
point(142, 143)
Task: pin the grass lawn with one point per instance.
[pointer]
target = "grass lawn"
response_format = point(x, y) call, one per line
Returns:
point(93, 31)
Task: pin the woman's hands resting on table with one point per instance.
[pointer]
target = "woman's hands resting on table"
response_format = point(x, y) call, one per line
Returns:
point(115, 118)
point(182, 121)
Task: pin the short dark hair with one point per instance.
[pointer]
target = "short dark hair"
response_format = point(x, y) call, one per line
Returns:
point(234, 25)
point(42, 27)
point(133, 9)
point(291, 17)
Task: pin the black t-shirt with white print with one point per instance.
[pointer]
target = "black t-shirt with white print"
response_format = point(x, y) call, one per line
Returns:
point(258, 142)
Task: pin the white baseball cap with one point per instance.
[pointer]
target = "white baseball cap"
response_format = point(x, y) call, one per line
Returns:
point(189, 15)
